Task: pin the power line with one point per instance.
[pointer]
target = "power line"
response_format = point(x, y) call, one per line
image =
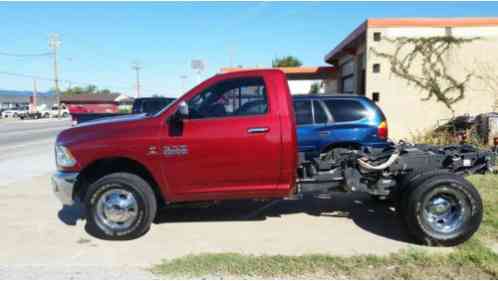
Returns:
point(26, 55)
point(51, 79)
point(26, 76)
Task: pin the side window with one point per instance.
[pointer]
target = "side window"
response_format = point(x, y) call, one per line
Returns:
point(344, 110)
point(237, 97)
point(302, 109)
point(320, 115)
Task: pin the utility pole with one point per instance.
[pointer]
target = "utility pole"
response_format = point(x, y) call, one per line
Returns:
point(34, 108)
point(136, 66)
point(54, 44)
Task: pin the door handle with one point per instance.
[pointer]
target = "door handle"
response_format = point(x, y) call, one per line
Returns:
point(258, 130)
point(324, 133)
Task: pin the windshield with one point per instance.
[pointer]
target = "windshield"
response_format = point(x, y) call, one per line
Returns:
point(150, 106)
point(163, 109)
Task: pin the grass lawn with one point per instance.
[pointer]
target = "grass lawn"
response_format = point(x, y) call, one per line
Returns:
point(471, 260)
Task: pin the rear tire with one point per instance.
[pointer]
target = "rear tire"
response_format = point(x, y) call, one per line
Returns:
point(410, 182)
point(442, 210)
point(120, 206)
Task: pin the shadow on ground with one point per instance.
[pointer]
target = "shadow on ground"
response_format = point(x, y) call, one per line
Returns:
point(71, 214)
point(371, 215)
point(379, 218)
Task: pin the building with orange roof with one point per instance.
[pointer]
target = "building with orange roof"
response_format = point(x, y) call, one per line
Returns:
point(372, 61)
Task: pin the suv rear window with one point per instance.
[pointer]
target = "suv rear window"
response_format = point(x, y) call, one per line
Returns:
point(344, 110)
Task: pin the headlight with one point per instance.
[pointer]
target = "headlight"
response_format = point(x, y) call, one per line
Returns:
point(63, 157)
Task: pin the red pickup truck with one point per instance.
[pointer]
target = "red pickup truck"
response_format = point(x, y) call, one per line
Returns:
point(234, 137)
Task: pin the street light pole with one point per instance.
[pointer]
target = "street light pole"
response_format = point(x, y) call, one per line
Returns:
point(136, 66)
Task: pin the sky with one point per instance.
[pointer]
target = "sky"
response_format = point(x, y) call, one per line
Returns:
point(99, 40)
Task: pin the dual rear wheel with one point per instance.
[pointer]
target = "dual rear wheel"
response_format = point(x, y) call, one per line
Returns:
point(441, 209)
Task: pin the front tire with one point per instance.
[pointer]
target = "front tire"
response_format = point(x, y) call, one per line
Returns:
point(120, 206)
point(443, 210)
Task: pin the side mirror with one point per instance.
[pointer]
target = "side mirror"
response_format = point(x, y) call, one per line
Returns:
point(182, 110)
point(175, 121)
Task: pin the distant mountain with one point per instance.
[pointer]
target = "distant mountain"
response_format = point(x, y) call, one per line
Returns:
point(24, 93)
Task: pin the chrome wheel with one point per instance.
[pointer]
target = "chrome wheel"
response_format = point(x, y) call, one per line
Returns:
point(444, 210)
point(116, 209)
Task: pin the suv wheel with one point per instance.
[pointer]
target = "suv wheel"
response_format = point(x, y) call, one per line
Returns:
point(443, 210)
point(120, 206)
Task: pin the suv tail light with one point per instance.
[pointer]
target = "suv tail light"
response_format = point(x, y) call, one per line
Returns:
point(74, 121)
point(382, 130)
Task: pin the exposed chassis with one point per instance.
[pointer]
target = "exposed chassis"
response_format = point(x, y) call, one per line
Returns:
point(425, 182)
point(381, 171)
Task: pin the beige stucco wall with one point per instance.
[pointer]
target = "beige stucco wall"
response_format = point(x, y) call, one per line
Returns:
point(402, 103)
point(330, 86)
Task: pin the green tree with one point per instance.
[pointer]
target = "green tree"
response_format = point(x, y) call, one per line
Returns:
point(91, 89)
point(315, 88)
point(288, 61)
point(73, 91)
point(104, 92)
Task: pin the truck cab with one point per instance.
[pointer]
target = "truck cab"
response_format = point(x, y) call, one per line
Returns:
point(193, 149)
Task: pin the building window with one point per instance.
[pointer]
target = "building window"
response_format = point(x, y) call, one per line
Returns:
point(448, 31)
point(348, 84)
point(347, 77)
point(376, 96)
point(377, 36)
point(376, 68)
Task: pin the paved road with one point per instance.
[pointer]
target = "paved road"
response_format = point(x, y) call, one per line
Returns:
point(26, 148)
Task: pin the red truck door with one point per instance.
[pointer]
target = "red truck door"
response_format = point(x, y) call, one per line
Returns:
point(229, 147)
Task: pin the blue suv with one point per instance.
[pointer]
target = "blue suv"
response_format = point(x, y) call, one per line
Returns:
point(327, 121)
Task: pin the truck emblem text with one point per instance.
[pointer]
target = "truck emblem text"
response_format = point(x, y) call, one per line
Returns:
point(175, 150)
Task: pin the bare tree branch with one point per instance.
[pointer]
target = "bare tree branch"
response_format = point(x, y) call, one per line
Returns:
point(433, 77)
